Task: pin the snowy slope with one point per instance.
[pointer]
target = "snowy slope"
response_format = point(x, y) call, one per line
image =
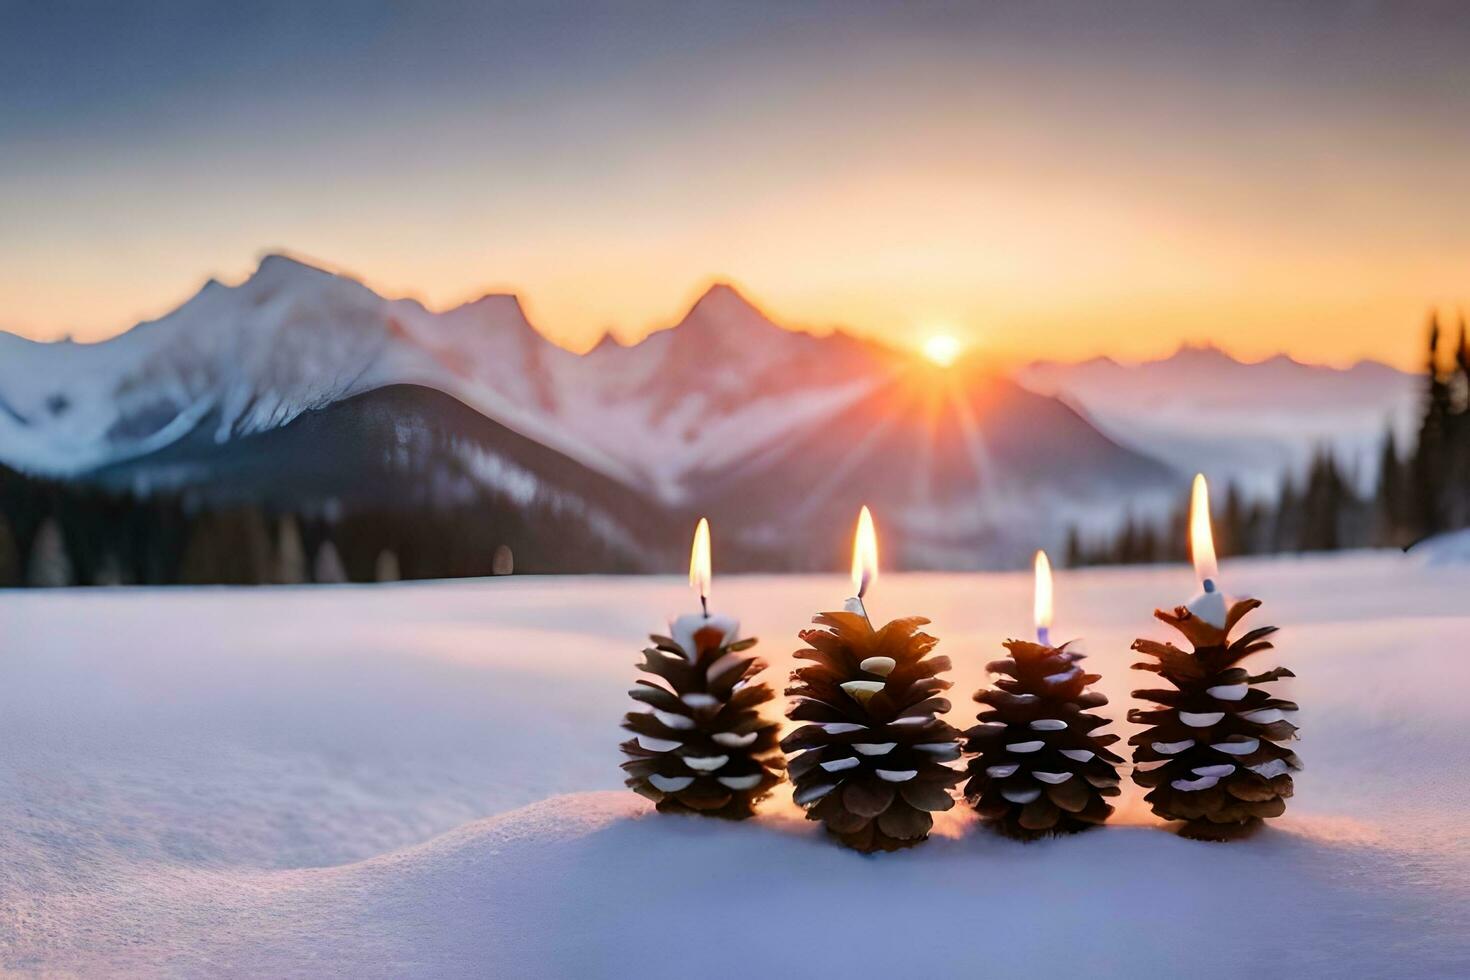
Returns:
point(422, 780)
point(725, 406)
point(293, 338)
point(290, 339)
point(1203, 410)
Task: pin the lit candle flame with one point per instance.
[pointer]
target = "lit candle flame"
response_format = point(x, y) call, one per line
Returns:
point(699, 573)
point(864, 554)
point(1043, 606)
point(1201, 540)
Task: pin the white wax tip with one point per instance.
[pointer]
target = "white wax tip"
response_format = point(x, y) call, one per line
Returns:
point(682, 631)
point(1237, 747)
point(1077, 755)
point(1209, 606)
point(699, 699)
point(732, 741)
point(896, 775)
point(1272, 769)
point(837, 765)
point(670, 784)
point(1001, 772)
point(862, 691)
point(1191, 785)
point(740, 782)
point(1021, 795)
point(874, 748)
point(1265, 716)
point(1201, 720)
point(842, 727)
point(1219, 772)
point(1048, 725)
point(1055, 778)
point(706, 763)
point(1228, 692)
point(1023, 747)
point(671, 720)
point(1172, 748)
point(658, 744)
point(882, 666)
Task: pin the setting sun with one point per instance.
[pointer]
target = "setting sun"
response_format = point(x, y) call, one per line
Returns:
point(942, 349)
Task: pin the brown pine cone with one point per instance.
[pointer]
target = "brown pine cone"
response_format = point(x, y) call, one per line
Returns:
point(871, 762)
point(1211, 755)
point(1040, 770)
point(703, 747)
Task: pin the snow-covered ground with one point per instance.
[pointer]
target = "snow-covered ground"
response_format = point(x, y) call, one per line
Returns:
point(421, 780)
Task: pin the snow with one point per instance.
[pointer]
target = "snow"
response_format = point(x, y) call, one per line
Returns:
point(421, 779)
point(1451, 548)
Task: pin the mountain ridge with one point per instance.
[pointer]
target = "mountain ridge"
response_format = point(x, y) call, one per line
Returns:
point(778, 433)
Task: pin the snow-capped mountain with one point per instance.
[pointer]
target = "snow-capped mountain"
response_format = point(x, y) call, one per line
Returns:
point(1201, 409)
point(241, 391)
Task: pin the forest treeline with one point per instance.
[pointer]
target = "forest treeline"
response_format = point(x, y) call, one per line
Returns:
point(56, 533)
point(1421, 489)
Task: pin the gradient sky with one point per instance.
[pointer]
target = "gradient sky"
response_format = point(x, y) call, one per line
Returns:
point(1039, 179)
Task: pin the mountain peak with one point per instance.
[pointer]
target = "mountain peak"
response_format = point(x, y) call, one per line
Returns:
point(723, 313)
point(280, 267)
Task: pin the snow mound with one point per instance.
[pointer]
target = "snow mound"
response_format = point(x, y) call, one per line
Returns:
point(422, 780)
point(1444, 549)
point(595, 884)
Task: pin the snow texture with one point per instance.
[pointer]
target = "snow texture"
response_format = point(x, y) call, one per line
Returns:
point(421, 780)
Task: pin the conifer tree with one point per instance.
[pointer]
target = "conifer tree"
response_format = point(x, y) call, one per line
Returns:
point(50, 566)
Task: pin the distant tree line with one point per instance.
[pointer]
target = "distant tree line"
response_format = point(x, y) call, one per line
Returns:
point(1422, 491)
point(55, 533)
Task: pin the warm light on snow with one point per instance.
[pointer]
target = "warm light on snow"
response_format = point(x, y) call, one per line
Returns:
point(699, 563)
point(1043, 605)
point(461, 820)
point(1201, 539)
point(942, 349)
point(864, 554)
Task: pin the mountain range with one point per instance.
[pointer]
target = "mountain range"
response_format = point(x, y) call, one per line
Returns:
point(305, 391)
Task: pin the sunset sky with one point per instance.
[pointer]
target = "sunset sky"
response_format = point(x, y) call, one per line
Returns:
point(1039, 180)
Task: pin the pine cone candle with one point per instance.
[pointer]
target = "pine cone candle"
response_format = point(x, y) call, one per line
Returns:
point(870, 762)
point(1211, 755)
point(703, 746)
point(1040, 769)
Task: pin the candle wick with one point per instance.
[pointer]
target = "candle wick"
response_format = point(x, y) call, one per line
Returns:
point(704, 604)
point(1209, 585)
point(1043, 635)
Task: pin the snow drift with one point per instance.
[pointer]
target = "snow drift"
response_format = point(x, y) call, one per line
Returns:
point(422, 780)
